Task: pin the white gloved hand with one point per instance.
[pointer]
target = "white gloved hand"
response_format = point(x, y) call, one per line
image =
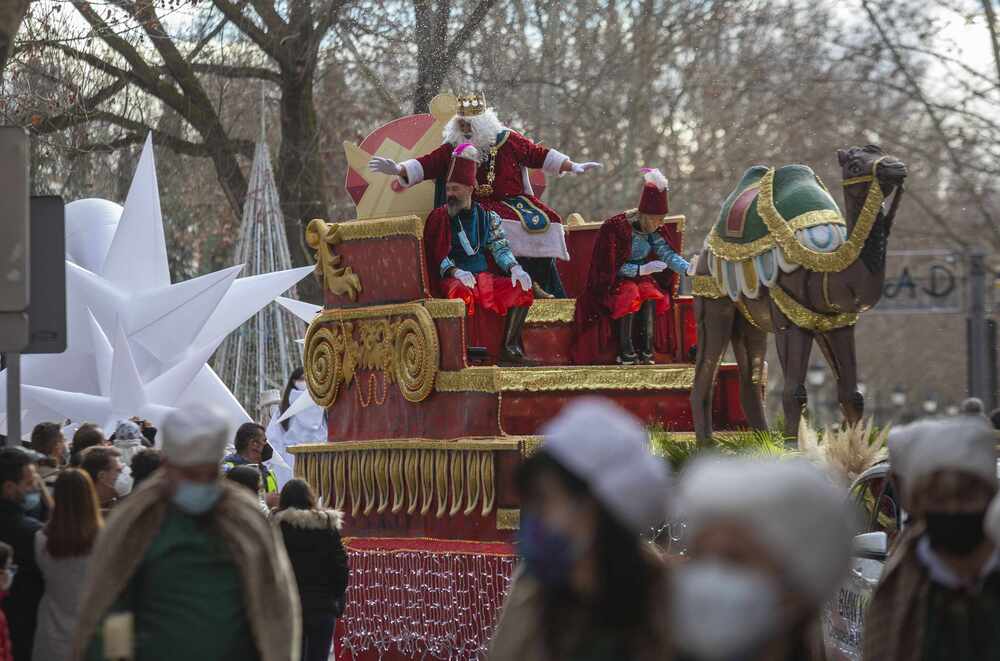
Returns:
point(654, 266)
point(581, 168)
point(518, 276)
point(384, 166)
point(465, 278)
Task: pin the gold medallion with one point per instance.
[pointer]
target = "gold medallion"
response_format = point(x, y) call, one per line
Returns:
point(484, 190)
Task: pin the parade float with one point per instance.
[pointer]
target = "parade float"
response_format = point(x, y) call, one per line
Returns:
point(426, 431)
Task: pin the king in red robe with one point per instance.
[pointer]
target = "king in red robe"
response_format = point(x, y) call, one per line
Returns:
point(502, 184)
point(633, 276)
point(468, 257)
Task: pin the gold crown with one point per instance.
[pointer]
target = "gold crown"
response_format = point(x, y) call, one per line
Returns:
point(470, 105)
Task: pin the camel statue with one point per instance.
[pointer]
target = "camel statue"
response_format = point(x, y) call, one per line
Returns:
point(782, 259)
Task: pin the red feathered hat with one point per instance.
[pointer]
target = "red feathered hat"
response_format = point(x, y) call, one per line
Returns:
point(654, 193)
point(464, 161)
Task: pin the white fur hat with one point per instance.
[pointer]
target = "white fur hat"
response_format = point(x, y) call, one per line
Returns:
point(792, 507)
point(609, 450)
point(194, 435)
point(961, 443)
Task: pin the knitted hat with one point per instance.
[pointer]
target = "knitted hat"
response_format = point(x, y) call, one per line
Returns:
point(194, 435)
point(464, 161)
point(654, 193)
point(962, 443)
point(609, 450)
point(793, 509)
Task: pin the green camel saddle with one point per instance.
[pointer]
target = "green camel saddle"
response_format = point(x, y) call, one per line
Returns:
point(799, 196)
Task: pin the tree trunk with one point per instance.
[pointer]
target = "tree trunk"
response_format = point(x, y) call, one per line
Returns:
point(431, 35)
point(300, 172)
point(11, 14)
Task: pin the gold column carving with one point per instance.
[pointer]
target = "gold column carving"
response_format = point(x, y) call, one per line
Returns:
point(398, 340)
point(321, 237)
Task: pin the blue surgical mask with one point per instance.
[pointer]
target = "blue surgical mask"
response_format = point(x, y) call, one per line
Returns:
point(31, 501)
point(549, 555)
point(196, 497)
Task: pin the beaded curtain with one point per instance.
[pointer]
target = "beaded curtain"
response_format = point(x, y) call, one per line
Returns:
point(423, 603)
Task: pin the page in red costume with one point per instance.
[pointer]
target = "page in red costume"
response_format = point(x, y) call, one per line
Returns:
point(593, 335)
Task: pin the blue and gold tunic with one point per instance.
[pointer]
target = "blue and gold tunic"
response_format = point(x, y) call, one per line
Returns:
point(472, 230)
point(643, 245)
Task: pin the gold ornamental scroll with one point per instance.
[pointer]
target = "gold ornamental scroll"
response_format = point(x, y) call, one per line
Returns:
point(400, 341)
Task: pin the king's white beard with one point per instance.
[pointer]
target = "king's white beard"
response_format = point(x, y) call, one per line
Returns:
point(484, 132)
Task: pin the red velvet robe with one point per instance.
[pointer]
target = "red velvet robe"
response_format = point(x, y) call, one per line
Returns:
point(517, 152)
point(592, 334)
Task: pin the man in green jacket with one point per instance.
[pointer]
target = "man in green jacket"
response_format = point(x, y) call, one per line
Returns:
point(190, 559)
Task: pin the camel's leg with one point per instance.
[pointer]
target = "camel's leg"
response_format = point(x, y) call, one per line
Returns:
point(715, 319)
point(750, 347)
point(794, 345)
point(838, 345)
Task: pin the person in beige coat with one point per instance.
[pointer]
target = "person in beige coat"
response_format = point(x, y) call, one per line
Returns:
point(588, 586)
point(189, 557)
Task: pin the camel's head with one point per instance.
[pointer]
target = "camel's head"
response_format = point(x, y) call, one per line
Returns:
point(857, 162)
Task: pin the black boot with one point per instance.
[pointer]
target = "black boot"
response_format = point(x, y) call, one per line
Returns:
point(647, 329)
point(512, 353)
point(626, 353)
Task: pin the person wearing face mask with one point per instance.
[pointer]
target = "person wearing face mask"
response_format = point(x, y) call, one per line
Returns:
point(253, 449)
point(109, 474)
point(634, 271)
point(20, 493)
point(62, 549)
point(769, 543)
point(588, 586)
point(939, 594)
point(307, 426)
point(7, 571)
point(190, 557)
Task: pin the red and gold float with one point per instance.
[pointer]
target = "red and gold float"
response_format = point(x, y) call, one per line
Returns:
point(425, 435)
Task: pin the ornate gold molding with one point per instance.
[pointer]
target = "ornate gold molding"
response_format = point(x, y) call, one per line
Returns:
point(381, 228)
point(705, 286)
point(808, 319)
point(486, 443)
point(735, 252)
point(444, 308)
point(551, 311)
point(321, 237)
point(536, 379)
point(400, 341)
point(403, 475)
point(529, 445)
point(580, 223)
point(508, 519)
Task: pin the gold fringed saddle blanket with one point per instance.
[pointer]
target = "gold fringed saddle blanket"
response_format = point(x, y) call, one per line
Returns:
point(780, 220)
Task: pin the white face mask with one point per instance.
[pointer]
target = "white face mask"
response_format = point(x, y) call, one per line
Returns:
point(721, 610)
point(300, 385)
point(123, 483)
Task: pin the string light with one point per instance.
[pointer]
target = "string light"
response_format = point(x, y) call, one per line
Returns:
point(424, 604)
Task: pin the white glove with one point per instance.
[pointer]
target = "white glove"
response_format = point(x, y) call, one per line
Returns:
point(465, 278)
point(581, 168)
point(384, 166)
point(654, 266)
point(518, 276)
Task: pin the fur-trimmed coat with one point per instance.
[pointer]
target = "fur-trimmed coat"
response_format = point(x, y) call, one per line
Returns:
point(312, 539)
point(272, 603)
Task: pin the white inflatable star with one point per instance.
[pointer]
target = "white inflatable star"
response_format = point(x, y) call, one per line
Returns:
point(118, 280)
point(306, 312)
